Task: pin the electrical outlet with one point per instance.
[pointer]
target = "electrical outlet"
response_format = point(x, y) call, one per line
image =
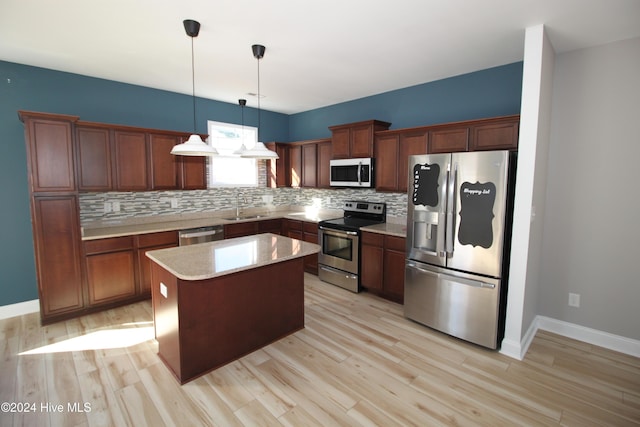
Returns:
point(115, 206)
point(174, 203)
point(107, 207)
point(574, 300)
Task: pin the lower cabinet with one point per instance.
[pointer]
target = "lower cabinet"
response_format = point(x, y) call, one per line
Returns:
point(111, 272)
point(307, 232)
point(253, 227)
point(382, 259)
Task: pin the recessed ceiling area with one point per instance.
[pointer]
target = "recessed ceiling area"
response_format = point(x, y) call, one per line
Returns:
point(317, 53)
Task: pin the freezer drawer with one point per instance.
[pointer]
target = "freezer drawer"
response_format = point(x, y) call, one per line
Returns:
point(459, 304)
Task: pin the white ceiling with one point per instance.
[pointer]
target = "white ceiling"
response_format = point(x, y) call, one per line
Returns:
point(318, 52)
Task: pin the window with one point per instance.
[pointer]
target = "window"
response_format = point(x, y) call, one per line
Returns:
point(227, 170)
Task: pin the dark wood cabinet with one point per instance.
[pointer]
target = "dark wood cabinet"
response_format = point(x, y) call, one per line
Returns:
point(382, 265)
point(110, 268)
point(448, 140)
point(307, 232)
point(130, 155)
point(355, 139)
point(392, 151)
point(295, 165)
point(309, 165)
point(270, 226)
point(193, 173)
point(93, 154)
point(249, 228)
point(49, 141)
point(164, 167)
point(150, 242)
point(498, 134)
point(278, 172)
point(324, 157)
point(56, 231)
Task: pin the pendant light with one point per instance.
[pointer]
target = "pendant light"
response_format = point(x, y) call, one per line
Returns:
point(243, 148)
point(259, 151)
point(194, 146)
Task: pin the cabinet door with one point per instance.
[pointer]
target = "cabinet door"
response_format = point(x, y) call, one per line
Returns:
point(310, 234)
point(130, 160)
point(361, 141)
point(386, 154)
point(495, 136)
point(93, 150)
point(394, 261)
point(165, 167)
point(295, 166)
point(270, 226)
point(278, 170)
point(340, 143)
point(144, 267)
point(110, 277)
point(449, 140)
point(371, 261)
point(324, 172)
point(193, 174)
point(57, 247)
point(50, 155)
point(309, 165)
point(240, 229)
point(410, 144)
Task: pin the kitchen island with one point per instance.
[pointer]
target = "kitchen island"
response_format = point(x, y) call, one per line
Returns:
point(216, 302)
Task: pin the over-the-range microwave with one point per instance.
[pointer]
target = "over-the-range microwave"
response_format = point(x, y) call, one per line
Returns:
point(352, 172)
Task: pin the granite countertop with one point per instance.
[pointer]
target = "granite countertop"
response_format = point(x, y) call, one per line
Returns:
point(109, 229)
point(214, 259)
point(389, 228)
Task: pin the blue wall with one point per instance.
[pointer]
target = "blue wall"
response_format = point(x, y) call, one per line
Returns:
point(486, 93)
point(37, 89)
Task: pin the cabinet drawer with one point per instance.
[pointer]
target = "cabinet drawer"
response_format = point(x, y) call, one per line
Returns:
point(374, 239)
point(243, 228)
point(108, 245)
point(270, 225)
point(293, 224)
point(310, 227)
point(395, 243)
point(158, 239)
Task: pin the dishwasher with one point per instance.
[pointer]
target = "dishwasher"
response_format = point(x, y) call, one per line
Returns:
point(193, 236)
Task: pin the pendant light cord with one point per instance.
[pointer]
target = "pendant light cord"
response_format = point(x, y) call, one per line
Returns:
point(193, 86)
point(258, 99)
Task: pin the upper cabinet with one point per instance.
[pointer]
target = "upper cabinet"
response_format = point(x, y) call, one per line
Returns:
point(278, 173)
point(391, 151)
point(130, 155)
point(355, 140)
point(50, 151)
point(93, 151)
point(500, 133)
point(165, 167)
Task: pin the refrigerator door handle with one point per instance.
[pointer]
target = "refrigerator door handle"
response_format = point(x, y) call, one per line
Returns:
point(422, 270)
point(451, 205)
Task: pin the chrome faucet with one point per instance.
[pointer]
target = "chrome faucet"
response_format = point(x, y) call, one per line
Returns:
point(244, 200)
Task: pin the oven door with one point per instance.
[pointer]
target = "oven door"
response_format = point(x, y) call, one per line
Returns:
point(339, 249)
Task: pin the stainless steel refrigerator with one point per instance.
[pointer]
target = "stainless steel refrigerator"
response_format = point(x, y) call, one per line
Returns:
point(458, 240)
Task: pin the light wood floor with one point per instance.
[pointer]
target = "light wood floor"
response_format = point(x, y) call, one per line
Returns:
point(357, 362)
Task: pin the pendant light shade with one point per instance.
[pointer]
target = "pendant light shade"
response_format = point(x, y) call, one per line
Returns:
point(259, 151)
point(194, 146)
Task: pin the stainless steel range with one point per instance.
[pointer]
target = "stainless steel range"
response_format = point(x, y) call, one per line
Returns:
point(339, 258)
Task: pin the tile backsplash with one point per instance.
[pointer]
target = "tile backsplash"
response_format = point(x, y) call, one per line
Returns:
point(121, 205)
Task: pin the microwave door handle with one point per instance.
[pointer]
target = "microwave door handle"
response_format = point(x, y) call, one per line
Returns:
point(359, 170)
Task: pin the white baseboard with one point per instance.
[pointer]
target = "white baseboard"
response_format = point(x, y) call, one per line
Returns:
point(517, 350)
point(592, 336)
point(18, 309)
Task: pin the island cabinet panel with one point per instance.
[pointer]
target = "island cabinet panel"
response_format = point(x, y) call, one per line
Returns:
point(131, 170)
point(164, 166)
point(110, 267)
point(383, 259)
point(93, 151)
point(204, 324)
point(58, 253)
point(50, 153)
